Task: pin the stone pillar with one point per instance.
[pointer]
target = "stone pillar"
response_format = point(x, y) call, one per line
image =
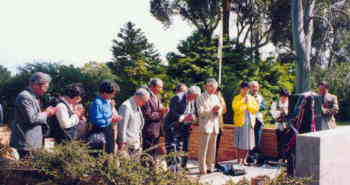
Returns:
point(324, 156)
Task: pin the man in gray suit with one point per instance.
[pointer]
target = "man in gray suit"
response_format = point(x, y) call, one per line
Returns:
point(130, 127)
point(330, 107)
point(26, 129)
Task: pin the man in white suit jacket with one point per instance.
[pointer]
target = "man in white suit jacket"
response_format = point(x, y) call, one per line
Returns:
point(209, 110)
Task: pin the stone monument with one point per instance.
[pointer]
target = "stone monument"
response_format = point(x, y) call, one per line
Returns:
point(324, 156)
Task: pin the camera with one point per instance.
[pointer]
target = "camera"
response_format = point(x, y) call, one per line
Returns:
point(50, 99)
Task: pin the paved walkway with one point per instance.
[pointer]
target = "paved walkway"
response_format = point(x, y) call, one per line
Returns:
point(219, 178)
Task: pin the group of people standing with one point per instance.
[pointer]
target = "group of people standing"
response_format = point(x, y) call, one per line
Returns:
point(142, 119)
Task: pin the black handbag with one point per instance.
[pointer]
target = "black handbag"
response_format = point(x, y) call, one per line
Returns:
point(228, 169)
point(97, 140)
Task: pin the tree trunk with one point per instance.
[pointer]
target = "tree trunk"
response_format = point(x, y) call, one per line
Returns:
point(302, 26)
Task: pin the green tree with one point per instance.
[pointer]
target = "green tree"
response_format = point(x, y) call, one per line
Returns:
point(135, 60)
point(338, 78)
point(93, 73)
point(61, 75)
point(253, 22)
point(331, 21)
point(197, 62)
point(203, 14)
point(5, 75)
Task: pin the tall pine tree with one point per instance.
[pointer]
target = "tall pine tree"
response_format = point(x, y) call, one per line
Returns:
point(135, 60)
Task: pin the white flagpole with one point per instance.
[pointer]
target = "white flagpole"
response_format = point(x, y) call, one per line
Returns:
point(221, 42)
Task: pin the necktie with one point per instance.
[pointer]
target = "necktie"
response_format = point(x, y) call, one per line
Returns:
point(140, 114)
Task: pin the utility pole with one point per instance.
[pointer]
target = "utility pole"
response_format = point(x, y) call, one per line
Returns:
point(221, 43)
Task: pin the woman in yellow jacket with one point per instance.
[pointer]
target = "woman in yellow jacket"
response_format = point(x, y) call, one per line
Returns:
point(244, 107)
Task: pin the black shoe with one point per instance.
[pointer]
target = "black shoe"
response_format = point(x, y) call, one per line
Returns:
point(238, 172)
point(184, 162)
point(212, 171)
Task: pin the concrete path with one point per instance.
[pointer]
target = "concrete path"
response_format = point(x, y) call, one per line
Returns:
point(218, 178)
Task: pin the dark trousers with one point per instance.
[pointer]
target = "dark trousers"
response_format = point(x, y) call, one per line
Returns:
point(185, 141)
point(23, 153)
point(178, 141)
point(108, 133)
point(282, 140)
point(258, 129)
point(151, 145)
point(72, 132)
point(110, 143)
point(65, 135)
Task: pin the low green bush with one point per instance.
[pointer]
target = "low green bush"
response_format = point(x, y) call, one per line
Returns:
point(282, 179)
point(74, 163)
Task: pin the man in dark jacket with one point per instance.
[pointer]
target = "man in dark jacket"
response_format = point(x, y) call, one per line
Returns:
point(182, 114)
point(26, 129)
point(153, 113)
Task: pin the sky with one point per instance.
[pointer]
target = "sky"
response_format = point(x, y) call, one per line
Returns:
point(76, 31)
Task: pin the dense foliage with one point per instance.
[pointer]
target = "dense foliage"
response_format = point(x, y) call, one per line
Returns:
point(203, 14)
point(135, 60)
point(73, 164)
point(197, 61)
point(338, 77)
point(89, 75)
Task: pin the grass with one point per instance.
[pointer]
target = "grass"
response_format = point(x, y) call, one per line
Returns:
point(343, 123)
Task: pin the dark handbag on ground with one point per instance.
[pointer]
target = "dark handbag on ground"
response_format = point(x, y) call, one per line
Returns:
point(97, 140)
point(228, 169)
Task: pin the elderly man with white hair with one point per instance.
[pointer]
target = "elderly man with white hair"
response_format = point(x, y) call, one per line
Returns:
point(182, 113)
point(27, 127)
point(130, 128)
point(259, 123)
point(209, 110)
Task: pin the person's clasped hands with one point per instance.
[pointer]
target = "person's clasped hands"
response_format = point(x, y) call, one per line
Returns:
point(50, 111)
point(116, 118)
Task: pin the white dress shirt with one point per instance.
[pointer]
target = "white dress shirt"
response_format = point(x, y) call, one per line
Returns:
point(277, 108)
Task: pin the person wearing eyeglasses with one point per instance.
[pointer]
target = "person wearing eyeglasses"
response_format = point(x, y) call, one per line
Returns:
point(29, 119)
